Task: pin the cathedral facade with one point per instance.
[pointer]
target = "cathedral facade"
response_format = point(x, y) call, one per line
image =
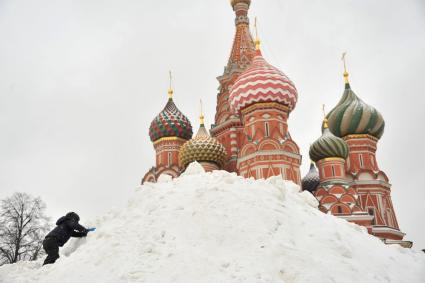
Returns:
point(250, 136)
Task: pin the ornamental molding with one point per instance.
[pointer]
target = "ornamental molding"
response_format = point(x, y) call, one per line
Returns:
point(268, 153)
point(360, 136)
point(357, 217)
point(168, 139)
point(264, 105)
point(233, 122)
point(386, 229)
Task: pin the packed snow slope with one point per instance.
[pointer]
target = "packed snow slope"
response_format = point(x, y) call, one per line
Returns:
point(218, 227)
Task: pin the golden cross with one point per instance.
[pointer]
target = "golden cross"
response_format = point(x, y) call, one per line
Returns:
point(171, 79)
point(201, 117)
point(256, 29)
point(343, 60)
point(257, 39)
point(170, 89)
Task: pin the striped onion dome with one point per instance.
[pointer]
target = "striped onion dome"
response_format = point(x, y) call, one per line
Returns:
point(353, 116)
point(311, 180)
point(328, 145)
point(261, 82)
point(170, 122)
point(202, 148)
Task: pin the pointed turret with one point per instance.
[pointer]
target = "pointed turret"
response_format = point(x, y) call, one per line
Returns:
point(243, 48)
point(227, 127)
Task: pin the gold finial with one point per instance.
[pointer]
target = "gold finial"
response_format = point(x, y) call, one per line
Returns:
point(201, 117)
point(257, 39)
point(170, 88)
point(325, 120)
point(345, 68)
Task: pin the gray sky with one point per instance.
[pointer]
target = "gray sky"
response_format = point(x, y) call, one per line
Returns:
point(80, 82)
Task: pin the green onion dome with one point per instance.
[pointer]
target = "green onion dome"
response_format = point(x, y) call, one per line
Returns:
point(170, 122)
point(328, 146)
point(202, 148)
point(352, 116)
point(311, 180)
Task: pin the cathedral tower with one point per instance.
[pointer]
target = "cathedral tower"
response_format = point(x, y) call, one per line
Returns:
point(228, 126)
point(361, 126)
point(334, 193)
point(168, 132)
point(264, 97)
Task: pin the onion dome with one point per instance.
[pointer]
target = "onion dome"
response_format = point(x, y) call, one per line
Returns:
point(352, 116)
point(202, 148)
point(328, 145)
point(261, 82)
point(170, 122)
point(311, 180)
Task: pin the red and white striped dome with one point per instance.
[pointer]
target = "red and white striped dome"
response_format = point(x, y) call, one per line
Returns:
point(262, 82)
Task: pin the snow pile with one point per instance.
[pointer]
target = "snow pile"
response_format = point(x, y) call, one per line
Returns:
point(218, 227)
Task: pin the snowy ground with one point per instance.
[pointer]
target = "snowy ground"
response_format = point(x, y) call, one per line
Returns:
point(217, 227)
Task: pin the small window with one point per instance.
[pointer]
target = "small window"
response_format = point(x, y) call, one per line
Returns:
point(339, 208)
point(371, 212)
point(333, 171)
point(361, 160)
point(266, 125)
point(170, 159)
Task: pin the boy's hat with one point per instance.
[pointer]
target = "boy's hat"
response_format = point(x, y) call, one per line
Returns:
point(73, 215)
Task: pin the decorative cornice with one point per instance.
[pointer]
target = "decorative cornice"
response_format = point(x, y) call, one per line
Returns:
point(264, 105)
point(269, 153)
point(168, 139)
point(233, 122)
point(360, 136)
point(331, 159)
point(386, 229)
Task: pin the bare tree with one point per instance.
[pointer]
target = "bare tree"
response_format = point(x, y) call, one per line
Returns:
point(23, 225)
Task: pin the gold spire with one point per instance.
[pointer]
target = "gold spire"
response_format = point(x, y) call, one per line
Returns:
point(325, 120)
point(170, 88)
point(201, 117)
point(345, 68)
point(257, 39)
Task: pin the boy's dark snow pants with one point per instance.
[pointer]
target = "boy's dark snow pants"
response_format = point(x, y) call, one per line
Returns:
point(50, 245)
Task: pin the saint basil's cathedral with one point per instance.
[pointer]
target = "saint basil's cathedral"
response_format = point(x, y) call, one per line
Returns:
point(250, 137)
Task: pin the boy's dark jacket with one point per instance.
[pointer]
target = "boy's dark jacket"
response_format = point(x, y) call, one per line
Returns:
point(67, 227)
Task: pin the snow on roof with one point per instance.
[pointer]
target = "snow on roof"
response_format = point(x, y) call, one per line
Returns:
point(219, 227)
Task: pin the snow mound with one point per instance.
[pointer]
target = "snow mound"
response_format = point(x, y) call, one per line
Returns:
point(218, 227)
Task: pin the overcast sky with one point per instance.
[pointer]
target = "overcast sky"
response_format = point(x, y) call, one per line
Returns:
point(81, 80)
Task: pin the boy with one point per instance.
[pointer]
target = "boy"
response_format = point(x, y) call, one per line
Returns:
point(67, 226)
